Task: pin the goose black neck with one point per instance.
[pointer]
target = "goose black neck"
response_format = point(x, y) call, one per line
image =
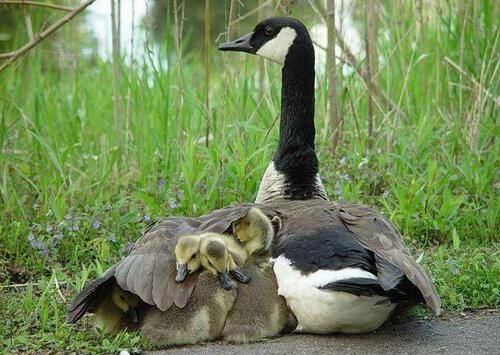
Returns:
point(296, 156)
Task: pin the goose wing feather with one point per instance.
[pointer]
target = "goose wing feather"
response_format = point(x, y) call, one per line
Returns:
point(151, 273)
point(86, 300)
point(379, 235)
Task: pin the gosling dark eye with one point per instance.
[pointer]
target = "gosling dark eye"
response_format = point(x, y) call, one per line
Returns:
point(269, 31)
point(122, 297)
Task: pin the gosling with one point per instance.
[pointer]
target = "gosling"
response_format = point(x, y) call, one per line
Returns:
point(222, 250)
point(186, 255)
point(116, 311)
point(255, 231)
point(222, 255)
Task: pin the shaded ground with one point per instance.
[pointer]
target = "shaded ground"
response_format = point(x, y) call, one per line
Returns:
point(471, 333)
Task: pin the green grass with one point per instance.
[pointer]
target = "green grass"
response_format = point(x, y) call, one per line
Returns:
point(73, 195)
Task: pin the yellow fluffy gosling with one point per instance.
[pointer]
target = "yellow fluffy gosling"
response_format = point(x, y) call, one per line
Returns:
point(255, 231)
point(117, 310)
point(186, 255)
point(221, 254)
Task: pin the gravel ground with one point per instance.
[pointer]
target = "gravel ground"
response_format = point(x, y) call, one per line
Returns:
point(466, 333)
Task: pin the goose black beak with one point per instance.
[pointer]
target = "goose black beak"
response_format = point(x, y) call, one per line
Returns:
point(182, 272)
point(241, 44)
point(225, 281)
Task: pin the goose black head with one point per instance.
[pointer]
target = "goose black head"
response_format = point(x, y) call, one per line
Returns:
point(271, 39)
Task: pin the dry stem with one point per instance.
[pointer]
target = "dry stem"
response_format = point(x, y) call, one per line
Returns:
point(334, 116)
point(12, 56)
point(36, 3)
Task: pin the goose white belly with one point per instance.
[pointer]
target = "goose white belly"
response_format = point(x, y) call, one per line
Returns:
point(324, 311)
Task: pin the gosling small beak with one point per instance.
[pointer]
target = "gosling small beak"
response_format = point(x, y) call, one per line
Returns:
point(225, 281)
point(241, 44)
point(132, 314)
point(182, 272)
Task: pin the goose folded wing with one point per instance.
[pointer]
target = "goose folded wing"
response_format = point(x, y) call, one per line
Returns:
point(87, 299)
point(149, 271)
point(393, 259)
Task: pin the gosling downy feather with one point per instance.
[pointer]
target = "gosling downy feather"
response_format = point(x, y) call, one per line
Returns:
point(201, 319)
point(255, 231)
point(342, 267)
point(253, 318)
point(218, 258)
point(258, 311)
point(187, 255)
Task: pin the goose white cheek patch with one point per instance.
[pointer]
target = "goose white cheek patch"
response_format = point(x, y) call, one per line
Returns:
point(277, 48)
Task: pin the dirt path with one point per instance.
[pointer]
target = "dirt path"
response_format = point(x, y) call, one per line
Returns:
point(471, 333)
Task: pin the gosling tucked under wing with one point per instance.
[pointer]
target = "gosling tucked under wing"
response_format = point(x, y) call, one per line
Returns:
point(341, 267)
point(117, 311)
point(255, 231)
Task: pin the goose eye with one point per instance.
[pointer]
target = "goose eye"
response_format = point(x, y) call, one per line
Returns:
point(269, 30)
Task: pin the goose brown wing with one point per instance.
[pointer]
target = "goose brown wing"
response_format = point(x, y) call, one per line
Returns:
point(87, 299)
point(393, 258)
point(149, 271)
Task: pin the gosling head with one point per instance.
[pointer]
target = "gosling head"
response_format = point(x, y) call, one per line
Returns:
point(125, 301)
point(254, 227)
point(186, 254)
point(214, 255)
point(274, 39)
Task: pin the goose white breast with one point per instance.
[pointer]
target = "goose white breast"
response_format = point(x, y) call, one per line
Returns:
point(324, 311)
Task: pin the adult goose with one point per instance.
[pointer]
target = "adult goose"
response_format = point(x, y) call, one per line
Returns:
point(141, 293)
point(341, 267)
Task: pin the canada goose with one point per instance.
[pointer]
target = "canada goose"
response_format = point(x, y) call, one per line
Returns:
point(293, 172)
point(341, 267)
point(180, 313)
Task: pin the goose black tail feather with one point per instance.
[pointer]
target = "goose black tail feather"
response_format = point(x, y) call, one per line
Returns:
point(361, 286)
point(86, 300)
